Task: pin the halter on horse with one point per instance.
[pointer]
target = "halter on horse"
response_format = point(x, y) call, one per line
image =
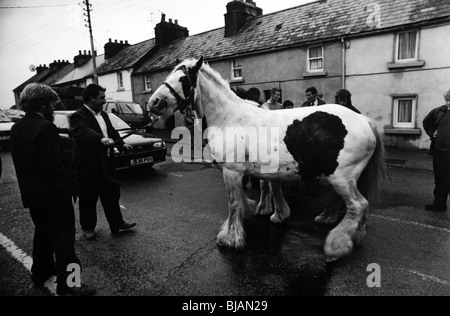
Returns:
point(330, 140)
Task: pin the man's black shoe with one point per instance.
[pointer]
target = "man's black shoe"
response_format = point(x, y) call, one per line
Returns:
point(435, 208)
point(124, 226)
point(40, 280)
point(84, 290)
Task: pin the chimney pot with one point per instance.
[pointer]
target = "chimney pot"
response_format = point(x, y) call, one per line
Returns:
point(170, 21)
point(126, 42)
point(163, 17)
point(110, 40)
point(115, 41)
point(176, 22)
point(121, 42)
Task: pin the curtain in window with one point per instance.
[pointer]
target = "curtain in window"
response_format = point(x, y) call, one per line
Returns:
point(237, 68)
point(405, 111)
point(315, 58)
point(407, 45)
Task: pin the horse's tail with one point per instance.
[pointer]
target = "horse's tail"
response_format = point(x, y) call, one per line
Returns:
point(375, 172)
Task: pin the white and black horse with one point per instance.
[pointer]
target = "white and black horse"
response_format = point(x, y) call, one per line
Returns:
point(329, 140)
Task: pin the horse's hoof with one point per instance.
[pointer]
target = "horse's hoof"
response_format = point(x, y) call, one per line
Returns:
point(337, 246)
point(276, 219)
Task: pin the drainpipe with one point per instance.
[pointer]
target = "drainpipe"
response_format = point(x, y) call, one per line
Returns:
point(344, 61)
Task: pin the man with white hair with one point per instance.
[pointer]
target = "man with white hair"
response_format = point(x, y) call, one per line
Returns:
point(437, 126)
point(46, 189)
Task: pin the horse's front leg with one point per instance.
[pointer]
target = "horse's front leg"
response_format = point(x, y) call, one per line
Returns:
point(282, 210)
point(232, 233)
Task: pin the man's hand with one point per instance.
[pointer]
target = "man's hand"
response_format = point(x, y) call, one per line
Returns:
point(108, 142)
point(127, 147)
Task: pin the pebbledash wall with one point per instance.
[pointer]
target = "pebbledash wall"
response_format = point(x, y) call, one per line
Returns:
point(377, 80)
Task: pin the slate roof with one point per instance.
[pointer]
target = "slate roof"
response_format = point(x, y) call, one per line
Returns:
point(79, 73)
point(126, 58)
point(316, 21)
point(36, 78)
point(47, 76)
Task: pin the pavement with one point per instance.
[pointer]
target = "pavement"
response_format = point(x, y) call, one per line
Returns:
point(395, 157)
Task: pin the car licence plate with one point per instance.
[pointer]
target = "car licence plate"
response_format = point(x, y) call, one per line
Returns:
point(4, 138)
point(141, 161)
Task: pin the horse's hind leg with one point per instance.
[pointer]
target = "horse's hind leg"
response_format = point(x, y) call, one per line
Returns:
point(282, 210)
point(232, 233)
point(351, 229)
point(264, 206)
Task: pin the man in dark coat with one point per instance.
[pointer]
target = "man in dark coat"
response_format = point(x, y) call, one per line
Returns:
point(312, 99)
point(45, 188)
point(437, 126)
point(94, 136)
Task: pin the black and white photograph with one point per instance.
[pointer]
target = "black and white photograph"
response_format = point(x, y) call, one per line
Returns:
point(225, 156)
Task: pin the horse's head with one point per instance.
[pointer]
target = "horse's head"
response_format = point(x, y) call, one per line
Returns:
point(177, 92)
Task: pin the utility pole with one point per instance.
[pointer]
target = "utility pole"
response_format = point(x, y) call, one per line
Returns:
point(88, 25)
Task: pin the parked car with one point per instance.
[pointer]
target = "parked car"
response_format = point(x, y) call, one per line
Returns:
point(147, 149)
point(132, 113)
point(15, 114)
point(5, 129)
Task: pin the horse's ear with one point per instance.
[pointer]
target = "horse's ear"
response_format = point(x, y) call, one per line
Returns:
point(199, 64)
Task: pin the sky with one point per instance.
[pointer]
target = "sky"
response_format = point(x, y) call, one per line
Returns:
point(37, 32)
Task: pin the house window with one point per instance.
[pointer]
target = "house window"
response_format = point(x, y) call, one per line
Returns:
point(119, 81)
point(407, 46)
point(404, 112)
point(147, 83)
point(315, 59)
point(237, 69)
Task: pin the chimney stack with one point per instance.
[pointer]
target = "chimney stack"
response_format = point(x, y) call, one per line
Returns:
point(81, 58)
point(41, 68)
point(238, 12)
point(167, 32)
point(112, 48)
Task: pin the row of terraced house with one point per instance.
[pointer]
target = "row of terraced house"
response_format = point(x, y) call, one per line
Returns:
point(392, 55)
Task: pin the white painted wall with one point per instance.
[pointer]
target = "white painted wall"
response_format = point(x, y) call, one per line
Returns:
point(372, 83)
point(109, 81)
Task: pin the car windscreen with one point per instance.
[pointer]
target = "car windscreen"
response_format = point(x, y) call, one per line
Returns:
point(131, 108)
point(4, 118)
point(118, 123)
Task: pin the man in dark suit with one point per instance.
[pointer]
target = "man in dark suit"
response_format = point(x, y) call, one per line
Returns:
point(437, 125)
point(312, 99)
point(94, 136)
point(45, 188)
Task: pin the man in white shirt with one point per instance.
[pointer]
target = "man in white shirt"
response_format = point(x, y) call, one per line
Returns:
point(272, 103)
point(94, 136)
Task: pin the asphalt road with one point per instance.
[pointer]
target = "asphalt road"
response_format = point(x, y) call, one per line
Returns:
point(179, 209)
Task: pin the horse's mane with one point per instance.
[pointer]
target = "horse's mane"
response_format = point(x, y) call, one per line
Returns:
point(210, 73)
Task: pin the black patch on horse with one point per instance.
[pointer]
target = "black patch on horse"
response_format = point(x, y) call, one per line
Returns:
point(315, 143)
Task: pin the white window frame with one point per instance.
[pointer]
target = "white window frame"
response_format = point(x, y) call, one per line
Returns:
point(237, 68)
point(412, 123)
point(397, 48)
point(119, 80)
point(147, 82)
point(315, 58)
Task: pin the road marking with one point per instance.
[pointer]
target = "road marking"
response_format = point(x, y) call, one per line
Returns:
point(441, 229)
point(429, 277)
point(25, 260)
point(176, 175)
